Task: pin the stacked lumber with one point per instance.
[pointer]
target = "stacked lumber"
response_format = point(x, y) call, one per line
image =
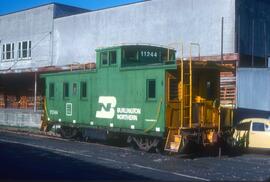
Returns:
point(29, 102)
point(2, 100)
point(23, 102)
point(227, 88)
point(12, 101)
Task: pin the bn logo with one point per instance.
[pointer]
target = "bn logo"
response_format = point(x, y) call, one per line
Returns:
point(107, 107)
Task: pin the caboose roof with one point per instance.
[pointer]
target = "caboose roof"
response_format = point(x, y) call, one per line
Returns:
point(123, 45)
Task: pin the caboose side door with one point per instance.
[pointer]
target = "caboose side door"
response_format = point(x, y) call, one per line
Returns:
point(173, 90)
point(74, 101)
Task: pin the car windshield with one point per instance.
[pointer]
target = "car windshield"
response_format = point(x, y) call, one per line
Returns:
point(243, 126)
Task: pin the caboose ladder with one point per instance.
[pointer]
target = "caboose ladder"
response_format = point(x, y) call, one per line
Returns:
point(186, 106)
point(174, 137)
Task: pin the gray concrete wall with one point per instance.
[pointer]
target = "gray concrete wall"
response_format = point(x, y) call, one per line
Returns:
point(253, 88)
point(156, 22)
point(20, 118)
point(33, 24)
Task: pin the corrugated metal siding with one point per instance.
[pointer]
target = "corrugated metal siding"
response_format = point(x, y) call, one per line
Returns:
point(253, 88)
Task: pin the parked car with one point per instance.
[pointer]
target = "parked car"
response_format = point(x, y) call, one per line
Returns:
point(252, 133)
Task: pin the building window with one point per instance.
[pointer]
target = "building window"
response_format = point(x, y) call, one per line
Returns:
point(3, 52)
point(104, 58)
point(65, 90)
point(112, 55)
point(51, 90)
point(151, 89)
point(83, 90)
point(25, 49)
point(8, 51)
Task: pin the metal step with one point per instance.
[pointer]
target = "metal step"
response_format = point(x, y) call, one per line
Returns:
point(171, 150)
point(173, 140)
point(177, 138)
point(174, 145)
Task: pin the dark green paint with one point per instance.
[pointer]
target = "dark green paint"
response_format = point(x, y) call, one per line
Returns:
point(125, 81)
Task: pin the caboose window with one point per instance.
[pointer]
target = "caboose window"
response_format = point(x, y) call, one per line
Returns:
point(74, 89)
point(65, 90)
point(164, 55)
point(83, 90)
point(104, 58)
point(112, 57)
point(151, 89)
point(209, 90)
point(131, 55)
point(51, 90)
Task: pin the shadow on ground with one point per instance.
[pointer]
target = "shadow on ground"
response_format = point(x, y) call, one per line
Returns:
point(19, 162)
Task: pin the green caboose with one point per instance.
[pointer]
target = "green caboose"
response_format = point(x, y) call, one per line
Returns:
point(138, 91)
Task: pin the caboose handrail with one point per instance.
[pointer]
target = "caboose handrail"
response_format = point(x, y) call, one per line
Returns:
point(190, 79)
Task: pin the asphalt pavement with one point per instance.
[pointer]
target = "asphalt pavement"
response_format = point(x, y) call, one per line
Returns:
point(37, 158)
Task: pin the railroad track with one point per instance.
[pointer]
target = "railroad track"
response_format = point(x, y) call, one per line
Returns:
point(54, 136)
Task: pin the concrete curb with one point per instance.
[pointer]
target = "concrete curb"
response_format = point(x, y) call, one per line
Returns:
point(29, 131)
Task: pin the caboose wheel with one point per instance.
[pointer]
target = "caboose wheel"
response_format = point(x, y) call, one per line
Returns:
point(145, 143)
point(68, 132)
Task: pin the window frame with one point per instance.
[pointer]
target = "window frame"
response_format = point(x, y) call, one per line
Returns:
point(3, 56)
point(107, 57)
point(260, 124)
point(28, 49)
point(51, 96)
point(171, 95)
point(127, 59)
point(148, 98)
point(110, 57)
point(5, 52)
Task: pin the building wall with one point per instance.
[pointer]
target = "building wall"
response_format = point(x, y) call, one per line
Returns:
point(157, 22)
point(253, 25)
point(34, 25)
point(253, 88)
